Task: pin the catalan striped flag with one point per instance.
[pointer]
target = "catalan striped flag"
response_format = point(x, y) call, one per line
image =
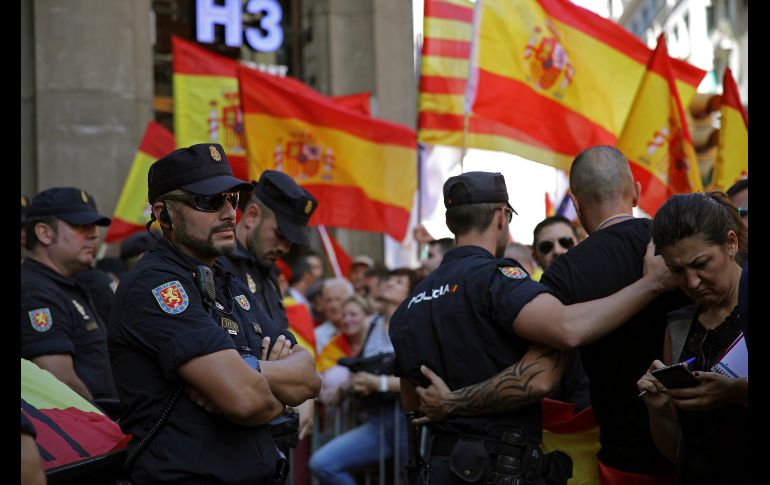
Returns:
point(656, 139)
point(69, 428)
point(559, 77)
point(362, 171)
point(733, 153)
point(133, 209)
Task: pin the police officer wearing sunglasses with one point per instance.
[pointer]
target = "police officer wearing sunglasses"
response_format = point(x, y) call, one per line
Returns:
point(176, 330)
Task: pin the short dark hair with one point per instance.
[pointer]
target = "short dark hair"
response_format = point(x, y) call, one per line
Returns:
point(708, 214)
point(737, 187)
point(548, 221)
point(413, 275)
point(29, 229)
point(445, 244)
point(462, 219)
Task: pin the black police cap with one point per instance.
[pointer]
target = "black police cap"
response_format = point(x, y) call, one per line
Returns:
point(200, 169)
point(291, 204)
point(138, 243)
point(69, 204)
point(476, 188)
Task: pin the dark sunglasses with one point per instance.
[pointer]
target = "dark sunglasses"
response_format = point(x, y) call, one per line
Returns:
point(207, 203)
point(545, 247)
point(743, 212)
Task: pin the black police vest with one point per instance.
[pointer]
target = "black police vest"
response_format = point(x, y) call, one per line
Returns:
point(451, 324)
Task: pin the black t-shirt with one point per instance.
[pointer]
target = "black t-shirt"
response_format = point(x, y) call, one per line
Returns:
point(458, 322)
point(57, 317)
point(602, 264)
point(259, 280)
point(159, 321)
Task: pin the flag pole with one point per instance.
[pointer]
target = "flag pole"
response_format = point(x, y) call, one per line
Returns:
point(466, 117)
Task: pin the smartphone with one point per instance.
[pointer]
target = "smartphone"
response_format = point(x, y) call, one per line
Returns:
point(675, 376)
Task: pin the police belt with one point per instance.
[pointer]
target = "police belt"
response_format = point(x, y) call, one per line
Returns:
point(443, 442)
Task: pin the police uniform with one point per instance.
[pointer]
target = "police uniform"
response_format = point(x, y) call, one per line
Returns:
point(293, 206)
point(458, 322)
point(161, 322)
point(161, 319)
point(260, 282)
point(57, 314)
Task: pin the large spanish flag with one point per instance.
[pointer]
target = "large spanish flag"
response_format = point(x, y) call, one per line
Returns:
point(69, 428)
point(206, 103)
point(733, 153)
point(362, 171)
point(133, 209)
point(558, 76)
point(656, 139)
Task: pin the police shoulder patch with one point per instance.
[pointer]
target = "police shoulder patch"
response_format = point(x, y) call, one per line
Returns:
point(513, 272)
point(243, 302)
point(40, 319)
point(171, 297)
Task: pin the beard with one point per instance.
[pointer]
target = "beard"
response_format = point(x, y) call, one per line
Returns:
point(265, 259)
point(204, 248)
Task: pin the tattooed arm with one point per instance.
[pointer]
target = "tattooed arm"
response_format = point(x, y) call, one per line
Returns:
point(523, 383)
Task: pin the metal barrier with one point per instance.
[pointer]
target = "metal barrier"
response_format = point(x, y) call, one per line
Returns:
point(344, 418)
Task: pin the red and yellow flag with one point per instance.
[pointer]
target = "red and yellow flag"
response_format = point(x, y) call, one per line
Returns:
point(206, 103)
point(358, 102)
point(337, 348)
point(133, 209)
point(207, 106)
point(733, 153)
point(656, 139)
point(574, 434)
point(300, 323)
point(559, 77)
point(362, 171)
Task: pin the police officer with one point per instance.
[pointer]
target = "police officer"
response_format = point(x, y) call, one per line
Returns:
point(274, 218)
point(176, 327)
point(60, 328)
point(470, 320)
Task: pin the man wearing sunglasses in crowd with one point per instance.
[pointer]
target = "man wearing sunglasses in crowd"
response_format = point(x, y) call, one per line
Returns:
point(553, 236)
point(188, 342)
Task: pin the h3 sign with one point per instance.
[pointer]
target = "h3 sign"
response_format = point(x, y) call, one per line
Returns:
point(267, 38)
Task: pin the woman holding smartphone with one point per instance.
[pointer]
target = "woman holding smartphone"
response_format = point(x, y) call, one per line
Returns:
point(701, 428)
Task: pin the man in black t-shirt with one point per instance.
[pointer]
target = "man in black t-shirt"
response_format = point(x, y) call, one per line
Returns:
point(604, 193)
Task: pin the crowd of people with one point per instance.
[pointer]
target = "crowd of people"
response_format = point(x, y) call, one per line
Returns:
point(220, 344)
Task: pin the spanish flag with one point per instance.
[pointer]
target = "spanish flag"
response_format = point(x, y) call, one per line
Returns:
point(575, 434)
point(733, 153)
point(559, 77)
point(206, 103)
point(133, 209)
point(656, 139)
point(69, 428)
point(362, 171)
point(337, 348)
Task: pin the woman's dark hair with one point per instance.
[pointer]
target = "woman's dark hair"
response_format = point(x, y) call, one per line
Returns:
point(708, 214)
point(413, 275)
